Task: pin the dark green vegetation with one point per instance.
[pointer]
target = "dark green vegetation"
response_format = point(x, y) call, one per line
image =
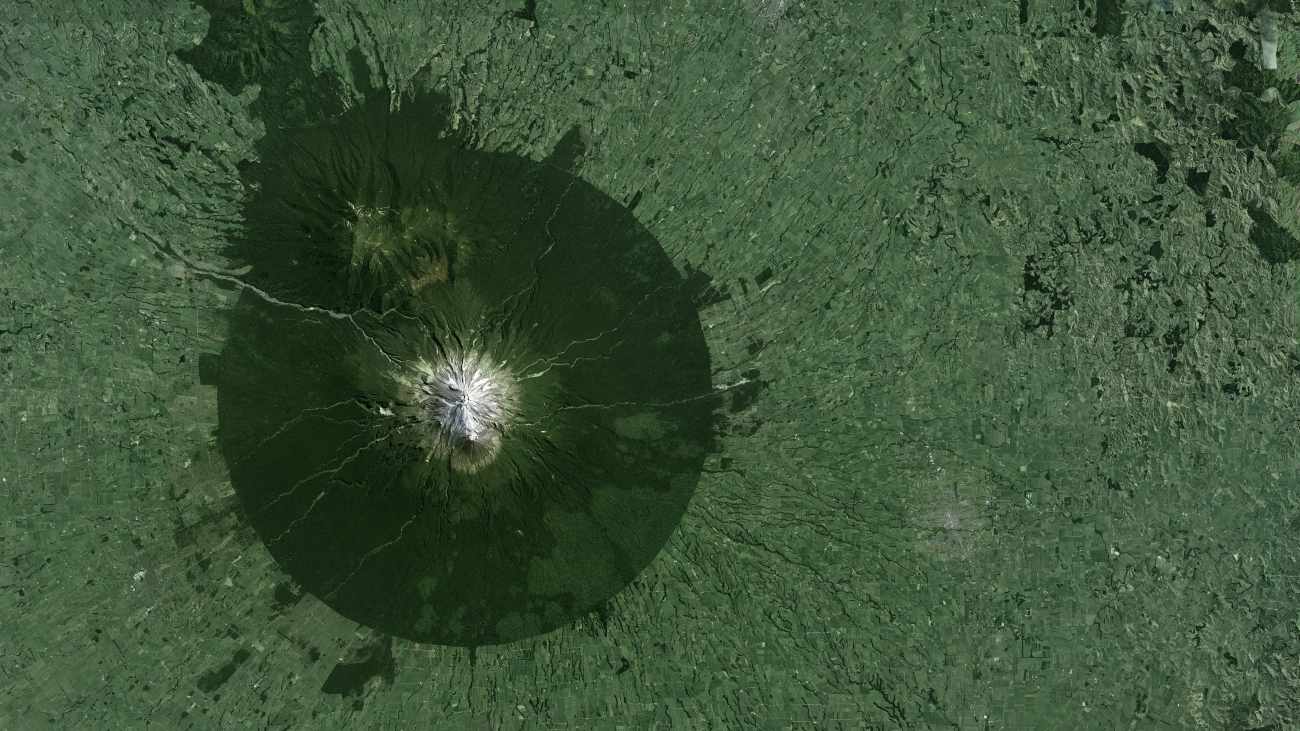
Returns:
point(1264, 104)
point(397, 245)
point(997, 296)
point(261, 42)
